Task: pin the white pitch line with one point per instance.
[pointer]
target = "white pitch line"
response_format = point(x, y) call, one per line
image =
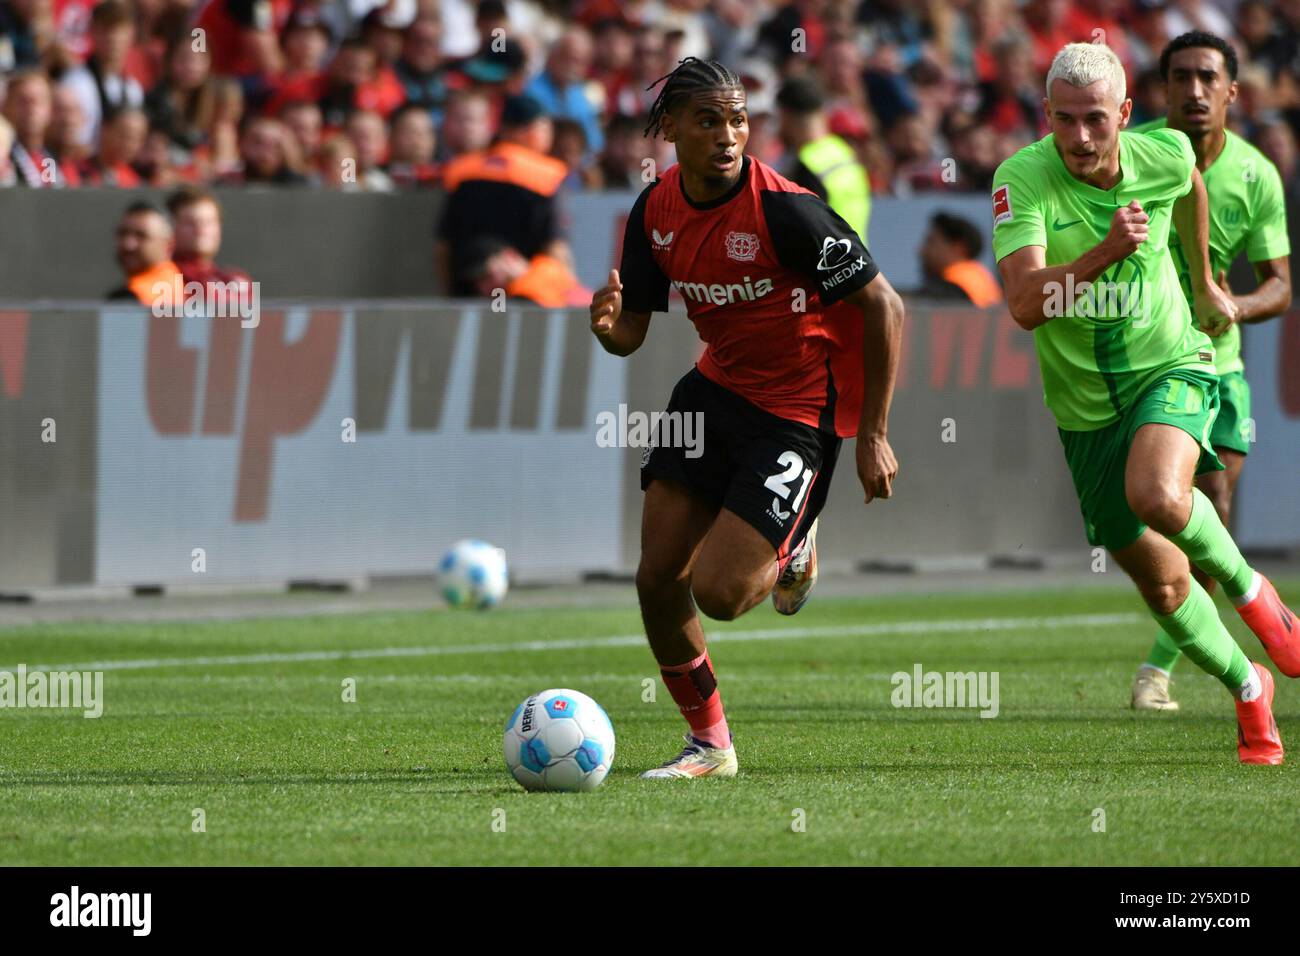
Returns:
point(615, 640)
point(420, 678)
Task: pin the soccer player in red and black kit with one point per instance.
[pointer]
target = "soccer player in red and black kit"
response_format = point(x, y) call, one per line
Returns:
point(802, 336)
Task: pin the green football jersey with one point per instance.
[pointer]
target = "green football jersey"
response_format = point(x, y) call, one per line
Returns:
point(1108, 341)
point(1247, 212)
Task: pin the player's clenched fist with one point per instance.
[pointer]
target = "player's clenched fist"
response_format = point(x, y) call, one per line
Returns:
point(607, 305)
point(1214, 307)
point(1128, 230)
point(877, 467)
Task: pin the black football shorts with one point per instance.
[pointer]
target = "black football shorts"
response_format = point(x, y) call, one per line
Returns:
point(772, 472)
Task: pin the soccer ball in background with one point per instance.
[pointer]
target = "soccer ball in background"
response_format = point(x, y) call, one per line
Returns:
point(473, 574)
point(559, 740)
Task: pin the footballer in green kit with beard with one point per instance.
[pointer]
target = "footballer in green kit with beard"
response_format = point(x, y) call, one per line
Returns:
point(1247, 214)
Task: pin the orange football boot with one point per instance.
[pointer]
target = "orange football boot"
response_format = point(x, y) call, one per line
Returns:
point(1275, 626)
point(1257, 738)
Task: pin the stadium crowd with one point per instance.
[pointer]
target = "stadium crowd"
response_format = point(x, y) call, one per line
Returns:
point(347, 94)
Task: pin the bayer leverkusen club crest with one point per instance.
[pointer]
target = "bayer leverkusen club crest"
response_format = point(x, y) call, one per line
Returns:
point(742, 246)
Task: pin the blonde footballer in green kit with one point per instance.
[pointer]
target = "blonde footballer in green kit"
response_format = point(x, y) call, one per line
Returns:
point(1247, 214)
point(1082, 224)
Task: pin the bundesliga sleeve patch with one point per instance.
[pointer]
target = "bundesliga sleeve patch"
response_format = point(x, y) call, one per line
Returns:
point(1002, 205)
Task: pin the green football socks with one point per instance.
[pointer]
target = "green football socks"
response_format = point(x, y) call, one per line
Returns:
point(1208, 545)
point(1164, 652)
point(1197, 631)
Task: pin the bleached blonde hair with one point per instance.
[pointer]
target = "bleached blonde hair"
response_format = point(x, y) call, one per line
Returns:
point(1082, 64)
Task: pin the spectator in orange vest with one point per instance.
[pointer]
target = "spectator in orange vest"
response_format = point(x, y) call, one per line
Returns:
point(144, 251)
point(950, 261)
point(507, 192)
point(542, 280)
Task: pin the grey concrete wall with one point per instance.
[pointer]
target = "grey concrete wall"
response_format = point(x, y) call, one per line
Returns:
point(300, 244)
point(306, 244)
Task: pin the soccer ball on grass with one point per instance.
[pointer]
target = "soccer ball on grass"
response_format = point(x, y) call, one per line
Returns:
point(559, 740)
point(473, 574)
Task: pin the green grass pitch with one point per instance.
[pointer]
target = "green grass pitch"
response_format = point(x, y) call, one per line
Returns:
point(255, 733)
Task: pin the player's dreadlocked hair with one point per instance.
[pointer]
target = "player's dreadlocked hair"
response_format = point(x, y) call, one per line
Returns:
point(692, 76)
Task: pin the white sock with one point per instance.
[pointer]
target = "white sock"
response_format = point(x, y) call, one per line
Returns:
point(1251, 688)
point(1152, 667)
point(1252, 592)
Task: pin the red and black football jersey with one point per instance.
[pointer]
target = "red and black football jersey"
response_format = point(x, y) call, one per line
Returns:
point(761, 269)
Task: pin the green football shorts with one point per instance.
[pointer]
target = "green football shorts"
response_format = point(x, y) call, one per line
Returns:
point(1185, 398)
point(1233, 428)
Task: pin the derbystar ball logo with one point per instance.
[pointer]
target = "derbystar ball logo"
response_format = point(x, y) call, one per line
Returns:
point(1002, 205)
point(719, 294)
point(742, 246)
point(526, 723)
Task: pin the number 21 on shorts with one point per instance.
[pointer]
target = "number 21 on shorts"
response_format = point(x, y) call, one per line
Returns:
point(779, 483)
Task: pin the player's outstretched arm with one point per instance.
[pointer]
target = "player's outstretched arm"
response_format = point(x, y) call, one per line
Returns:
point(1214, 309)
point(883, 315)
point(1030, 283)
point(619, 332)
point(1271, 297)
